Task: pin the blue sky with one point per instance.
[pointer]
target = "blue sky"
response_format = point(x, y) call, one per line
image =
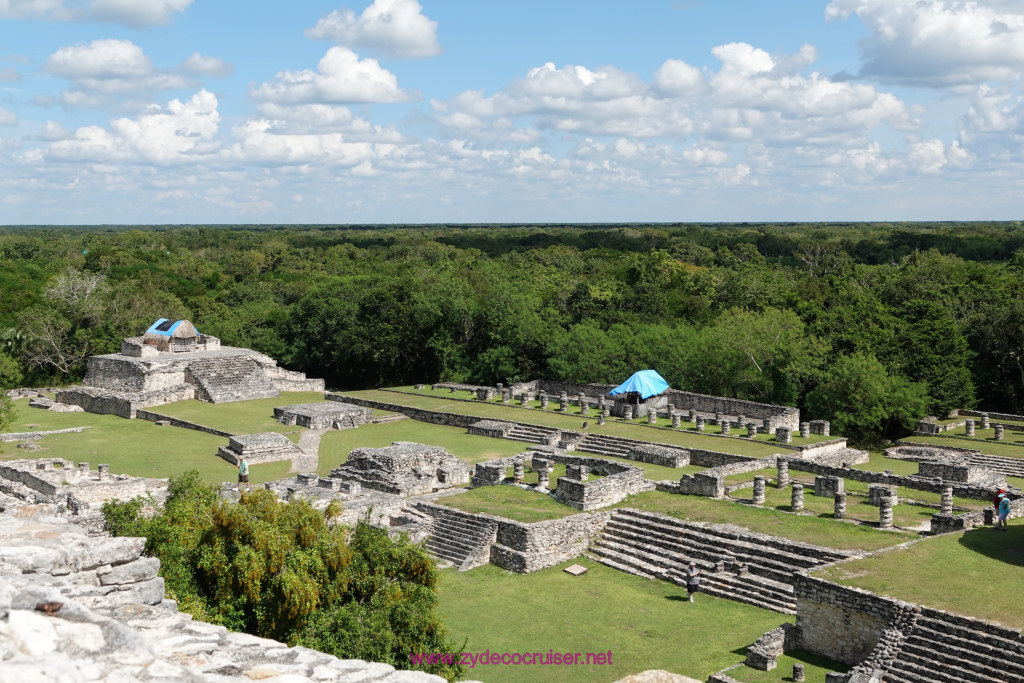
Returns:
point(196, 111)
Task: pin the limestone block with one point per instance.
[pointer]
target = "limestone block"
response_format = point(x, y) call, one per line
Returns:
point(142, 569)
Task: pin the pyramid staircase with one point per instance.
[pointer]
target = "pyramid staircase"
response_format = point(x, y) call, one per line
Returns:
point(736, 564)
point(222, 380)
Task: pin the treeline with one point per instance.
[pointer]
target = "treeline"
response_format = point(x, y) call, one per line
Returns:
point(870, 325)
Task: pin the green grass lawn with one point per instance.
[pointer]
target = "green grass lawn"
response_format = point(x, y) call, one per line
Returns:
point(815, 668)
point(877, 462)
point(984, 445)
point(241, 417)
point(807, 528)
point(132, 447)
point(470, 448)
point(977, 573)
point(550, 418)
point(645, 624)
point(511, 502)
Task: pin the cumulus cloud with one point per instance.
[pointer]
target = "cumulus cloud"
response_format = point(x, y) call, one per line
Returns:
point(181, 132)
point(108, 66)
point(342, 78)
point(134, 13)
point(938, 42)
point(395, 28)
point(676, 77)
point(204, 64)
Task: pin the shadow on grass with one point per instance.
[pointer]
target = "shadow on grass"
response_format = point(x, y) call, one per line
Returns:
point(677, 598)
point(1004, 546)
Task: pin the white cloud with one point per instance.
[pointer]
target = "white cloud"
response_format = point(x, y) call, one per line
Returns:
point(676, 77)
point(105, 67)
point(342, 78)
point(9, 75)
point(181, 132)
point(52, 130)
point(938, 42)
point(394, 27)
point(7, 118)
point(134, 13)
point(204, 64)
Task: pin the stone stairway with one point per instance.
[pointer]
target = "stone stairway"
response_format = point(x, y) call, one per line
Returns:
point(459, 538)
point(737, 564)
point(1011, 467)
point(223, 380)
point(383, 419)
point(948, 649)
point(605, 445)
point(532, 433)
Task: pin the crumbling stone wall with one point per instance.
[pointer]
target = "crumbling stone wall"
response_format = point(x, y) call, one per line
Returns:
point(526, 548)
point(404, 468)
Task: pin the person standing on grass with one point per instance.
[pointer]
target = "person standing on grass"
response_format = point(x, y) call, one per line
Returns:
point(1004, 512)
point(243, 474)
point(692, 579)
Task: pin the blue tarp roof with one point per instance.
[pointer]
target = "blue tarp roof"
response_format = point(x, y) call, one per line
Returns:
point(647, 383)
point(163, 326)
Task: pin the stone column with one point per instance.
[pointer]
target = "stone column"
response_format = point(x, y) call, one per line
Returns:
point(518, 471)
point(782, 478)
point(718, 418)
point(984, 420)
point(652, 417)
point(751, 430)
point(797, 501)
point(946, 502)
point(104, 471)
point(563, 402)
point(524, 400)
point(543, 478)
point(543, 401)
point(584, 406)
point(990, 516)
point(506, 396)
point(969, 428)
point(577, 472)
point(805, 430)
point(676, 420)
point(798, 673)
point(885, 512)
point(839, 505)
point(758, 490)
point(600, 418)
point(725, 427)
point(600, 403)
point(693, 416)
point(740, 419)
point(783, 435)
point(83, 469)
point(999, 432)
point(606, 411)
point(627, 413)
point(700, 423)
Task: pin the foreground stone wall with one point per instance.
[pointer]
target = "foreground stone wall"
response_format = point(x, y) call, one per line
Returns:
point(81, 608)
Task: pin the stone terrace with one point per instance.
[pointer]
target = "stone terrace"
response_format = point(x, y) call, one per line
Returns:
point(738, 564)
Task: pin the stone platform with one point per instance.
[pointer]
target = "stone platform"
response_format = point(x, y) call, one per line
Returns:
point(259, 448)
point(323, 415)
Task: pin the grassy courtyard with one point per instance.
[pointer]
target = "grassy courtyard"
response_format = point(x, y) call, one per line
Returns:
point(132, 447)
point(976, 573)
point(644, 624)
point(241, 417)
point(1008, 448)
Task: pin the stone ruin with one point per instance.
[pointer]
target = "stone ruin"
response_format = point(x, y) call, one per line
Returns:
point(323, 415)
point(146, 374)
point(77, 607)
point(259, 448)
point(357, 502)
point(404, 468)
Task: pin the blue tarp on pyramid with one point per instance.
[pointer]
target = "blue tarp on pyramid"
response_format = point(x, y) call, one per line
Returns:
point(647, 383)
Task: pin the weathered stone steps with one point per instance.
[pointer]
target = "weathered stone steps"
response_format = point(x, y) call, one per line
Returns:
point(455, 535)
point(925, 668)
point(531, 433)
point(604, 445)
point(736, 543)
point(686, 548)
point(985, 646)
point(945, 658)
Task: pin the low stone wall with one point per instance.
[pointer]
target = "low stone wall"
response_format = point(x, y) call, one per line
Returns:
point(961, 490)
point(431, 416)
point(836, 458)
point(826, 449)
point(31, 436)
point(773, 416)
point(945, 524)
point(150, 416)
point(657, 454)
point(525, 548)
point(618, 481)
point(496, 429)
point(711, 482)
point(993, 416)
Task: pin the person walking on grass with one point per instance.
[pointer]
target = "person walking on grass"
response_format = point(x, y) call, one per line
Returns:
point(692, 579)
point(1004, 512)
point(243, 474)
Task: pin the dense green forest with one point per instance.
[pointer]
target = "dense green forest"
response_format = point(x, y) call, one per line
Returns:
point(871, 325)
